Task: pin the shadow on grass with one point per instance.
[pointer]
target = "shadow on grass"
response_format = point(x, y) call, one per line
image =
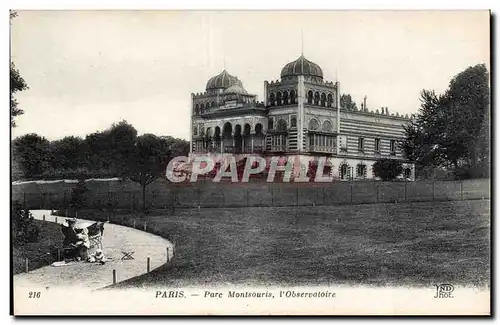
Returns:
point(409, 244)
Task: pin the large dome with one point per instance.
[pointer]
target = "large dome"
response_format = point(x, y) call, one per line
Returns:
point(302, 66)
point(237, 88)
point(222, 81)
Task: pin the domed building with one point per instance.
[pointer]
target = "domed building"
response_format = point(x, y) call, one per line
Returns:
point(226, 118)
point(301, 115)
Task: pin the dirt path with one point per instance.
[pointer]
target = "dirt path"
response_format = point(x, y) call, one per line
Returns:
point(92, 276)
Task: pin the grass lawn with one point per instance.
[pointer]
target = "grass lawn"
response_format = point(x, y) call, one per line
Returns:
point(40, 253)
point(417, 244)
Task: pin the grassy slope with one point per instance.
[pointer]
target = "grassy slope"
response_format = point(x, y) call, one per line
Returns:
point(40, 253)
point(402, 244)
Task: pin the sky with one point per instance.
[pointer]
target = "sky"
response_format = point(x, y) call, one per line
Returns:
point(89, 69)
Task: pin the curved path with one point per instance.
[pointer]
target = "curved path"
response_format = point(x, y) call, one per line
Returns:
point(93, 276)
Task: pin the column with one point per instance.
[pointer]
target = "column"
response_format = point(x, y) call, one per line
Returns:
point(191, 124)
point(337, 93)
point(300, 113)
point(252, 141)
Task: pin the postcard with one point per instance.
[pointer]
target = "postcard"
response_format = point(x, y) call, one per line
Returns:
point(250, 162)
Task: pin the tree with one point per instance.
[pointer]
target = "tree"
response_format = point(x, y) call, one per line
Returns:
point(452, 130)
point(17, 83)
point(347, 102)
point(147, 162)
point(422, 133)
point(468, 121)
point(387, 169)
point(108, 151)
point(31, 152)
point(179, 147)
point(68, 153)
point(78, 199)
point(22, 224)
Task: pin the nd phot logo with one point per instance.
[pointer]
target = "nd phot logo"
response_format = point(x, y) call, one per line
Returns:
point(444, 290)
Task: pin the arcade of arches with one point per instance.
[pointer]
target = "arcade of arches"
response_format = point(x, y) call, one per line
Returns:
point(231, 139)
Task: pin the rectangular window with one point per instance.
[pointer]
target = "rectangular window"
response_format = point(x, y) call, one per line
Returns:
point(393, 146)
point(360, 144)
point(270, 124)
point(377, 145)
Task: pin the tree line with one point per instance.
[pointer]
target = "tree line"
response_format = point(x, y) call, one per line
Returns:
point(115, 152)
point(451, 131)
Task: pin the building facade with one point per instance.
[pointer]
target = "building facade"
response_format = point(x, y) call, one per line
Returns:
point(300, 116)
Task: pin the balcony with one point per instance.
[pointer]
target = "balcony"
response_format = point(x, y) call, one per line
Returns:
point(213, 149)
point(243, 150)
point(278, 148)
point(322, 149)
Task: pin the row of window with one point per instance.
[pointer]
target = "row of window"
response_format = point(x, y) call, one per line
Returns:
point(322, 140)
point(345, 171)
point(314, 124)
point(361, 145)
point(205, 107)
point(284, 98)
point(313, 98)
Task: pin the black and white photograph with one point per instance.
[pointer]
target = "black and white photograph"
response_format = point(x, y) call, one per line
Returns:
point(250, 162)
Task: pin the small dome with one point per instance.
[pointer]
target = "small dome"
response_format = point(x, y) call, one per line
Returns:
point(237, 88)
point(302, 66)
point(222, 81)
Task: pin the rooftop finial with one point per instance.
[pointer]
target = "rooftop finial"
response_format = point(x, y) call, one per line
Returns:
point(224, 63)
point(302, 41)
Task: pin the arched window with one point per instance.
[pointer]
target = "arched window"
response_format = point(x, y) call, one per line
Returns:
point(258, 129)
point(227, 130)
point(292, 97)
point(217, 134)
point(237, 130)
point(278, 98)
point(293, 121)
point(272, 99)
point(197, 109)
point(344, 171)
point(195, 130)
point(202, 131)
point(270, 124)
point(285, 98)
point(316, 98)
point(309, 97)
point(329, 101)
point(323, 99)
point(202, 108)
point(408, 173)
point(247, 129)
point(209, 132)
point(327, 126)
point(313, 124)
point(212, 104)
point(281, 125)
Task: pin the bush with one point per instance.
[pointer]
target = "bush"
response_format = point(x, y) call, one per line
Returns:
point(387, 169)
point(22, 225)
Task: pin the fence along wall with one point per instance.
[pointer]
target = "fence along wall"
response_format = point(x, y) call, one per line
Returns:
point(124, 195)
